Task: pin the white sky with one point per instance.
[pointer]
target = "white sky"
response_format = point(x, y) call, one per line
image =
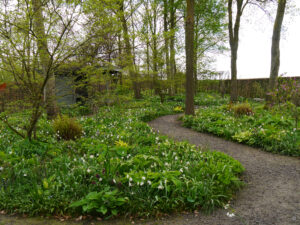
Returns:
point(254, 54)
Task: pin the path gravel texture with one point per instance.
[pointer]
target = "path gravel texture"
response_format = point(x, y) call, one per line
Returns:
point(272, 192)
point(271, 195)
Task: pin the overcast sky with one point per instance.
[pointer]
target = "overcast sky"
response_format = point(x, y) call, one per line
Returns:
point(254, 54)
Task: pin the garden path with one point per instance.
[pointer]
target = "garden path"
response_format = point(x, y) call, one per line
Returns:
point(271, 195)
point(272, 192)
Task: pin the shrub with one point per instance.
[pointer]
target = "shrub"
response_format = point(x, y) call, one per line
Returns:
point(242, 109)
point(67, 128)
point(286, 90)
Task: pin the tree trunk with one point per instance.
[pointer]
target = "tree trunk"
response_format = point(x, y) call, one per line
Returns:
point(234, 44)
point(166, 48)
point(129, 60)
point(275, 51)
point(132, 37)
point(234, 85)
point(147, 45)
point(119, 58)
point(148, 57)
point(155, 52)
point(196, 57)
point(39, 29)
point(172, 43)
point(189, 45)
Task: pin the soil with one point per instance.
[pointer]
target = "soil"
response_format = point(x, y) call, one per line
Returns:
point(271, 195)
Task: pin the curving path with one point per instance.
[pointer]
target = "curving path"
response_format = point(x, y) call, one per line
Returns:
point(271, 196)
point(272, 193)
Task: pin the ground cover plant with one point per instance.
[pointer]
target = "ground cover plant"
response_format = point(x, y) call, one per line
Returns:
point(202, 99)
point(273, 130)
point(117, 166)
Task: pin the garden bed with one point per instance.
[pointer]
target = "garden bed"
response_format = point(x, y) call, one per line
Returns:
point(119, 166)
point(272, 130)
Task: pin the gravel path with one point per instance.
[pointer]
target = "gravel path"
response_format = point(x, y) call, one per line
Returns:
point(271, 196)
point(272, 193)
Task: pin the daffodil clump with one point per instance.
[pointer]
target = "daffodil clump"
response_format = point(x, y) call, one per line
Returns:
point(178, 109)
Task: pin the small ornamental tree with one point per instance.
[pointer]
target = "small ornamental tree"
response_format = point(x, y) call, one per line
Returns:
point(287, 90)
point(31, 49)
point(287, 95)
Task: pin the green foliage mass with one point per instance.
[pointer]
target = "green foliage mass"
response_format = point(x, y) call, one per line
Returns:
point(119, 166)
point(273, 131)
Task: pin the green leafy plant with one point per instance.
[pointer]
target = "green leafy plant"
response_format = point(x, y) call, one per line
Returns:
point(242, 136)
point(107, 202)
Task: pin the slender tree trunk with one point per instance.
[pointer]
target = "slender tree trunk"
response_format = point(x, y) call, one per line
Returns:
point(189, 45)
point(196, 56)
point(155, 51)
point(172, 43)
point(195, 74)
point(275, 51)
point(129, 60)
point(133, 37)
point(148, 56)
point(166, 48)
point(39, 29)
point(234, 44)
point(147, 45)
point(234, 85)
point(155, 66)
point(119, 58)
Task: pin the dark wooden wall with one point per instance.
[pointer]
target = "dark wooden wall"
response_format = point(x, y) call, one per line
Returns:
point(250, 88)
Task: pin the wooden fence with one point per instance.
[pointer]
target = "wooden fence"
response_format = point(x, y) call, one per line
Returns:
point(249, 88)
